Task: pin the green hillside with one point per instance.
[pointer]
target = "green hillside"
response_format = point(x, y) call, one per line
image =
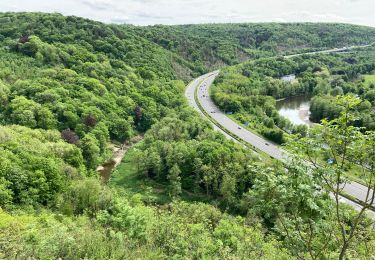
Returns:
point(215, 45)
point(249, 90)
point(72, 90)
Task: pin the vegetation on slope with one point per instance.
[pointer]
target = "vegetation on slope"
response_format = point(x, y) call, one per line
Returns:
point(289, 200)
point(69, 86)
point(249, 90)
point(214, 45)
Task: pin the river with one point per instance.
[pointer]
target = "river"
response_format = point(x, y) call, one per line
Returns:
point(296, 109)
point(106, 169)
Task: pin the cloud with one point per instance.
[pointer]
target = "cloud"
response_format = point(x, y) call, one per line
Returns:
point(151, 16)
point(196, 11)
point(120, 20)
point(99, 5)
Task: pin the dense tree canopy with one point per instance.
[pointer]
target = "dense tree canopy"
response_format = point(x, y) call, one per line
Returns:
point(212, 45)
point(249, 90)
point(71, 89)
point(35, 165)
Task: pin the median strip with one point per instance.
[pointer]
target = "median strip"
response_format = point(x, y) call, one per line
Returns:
point(237, 138)
point(234, 136)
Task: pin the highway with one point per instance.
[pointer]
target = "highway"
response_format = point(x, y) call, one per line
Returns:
point(190, 91)
point(331, 50)
point(249, 137)
point(201, 86)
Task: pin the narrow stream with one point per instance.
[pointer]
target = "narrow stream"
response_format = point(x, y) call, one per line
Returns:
point(296, 109)
point(105, 170)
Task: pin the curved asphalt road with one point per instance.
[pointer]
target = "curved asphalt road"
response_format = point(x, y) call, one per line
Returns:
point(202, 84)
point(208, 105)
point(190, 91)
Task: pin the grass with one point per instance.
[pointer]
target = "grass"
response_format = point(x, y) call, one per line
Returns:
point(369, 79)
point(349, 197)
point(356, 173)
point(251, 129)
point(128, 182)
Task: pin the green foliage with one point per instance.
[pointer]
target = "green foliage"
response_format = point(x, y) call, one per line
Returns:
point(249, 89)
point(68, 80)
point(35, 165)
point(324, 107)
point(346, 146)
point(85, 196)
point(90, 150)
point(174, 181)
point(188, 155)
point(69, 86)
point(136, 231)
point(212, 45)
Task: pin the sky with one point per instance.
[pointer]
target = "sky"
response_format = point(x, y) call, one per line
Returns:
point(145, 12)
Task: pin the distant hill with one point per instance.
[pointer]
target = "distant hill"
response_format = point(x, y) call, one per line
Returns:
point(73, 91)
point(216, 45)
point(183, 51)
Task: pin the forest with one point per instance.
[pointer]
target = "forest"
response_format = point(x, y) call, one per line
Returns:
point(250, 90)
point(71, 89)
point(214, 45)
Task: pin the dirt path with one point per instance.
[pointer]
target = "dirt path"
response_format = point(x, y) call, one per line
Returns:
point(106, 168)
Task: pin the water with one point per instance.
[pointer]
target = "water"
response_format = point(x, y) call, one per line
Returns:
point(296, 109)
point(106, 170)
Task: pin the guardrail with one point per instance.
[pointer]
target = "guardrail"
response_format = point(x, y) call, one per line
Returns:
point(246, 144)
point(234, 136)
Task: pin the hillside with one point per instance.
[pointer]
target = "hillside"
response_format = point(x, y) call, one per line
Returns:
point(249, 89)
point(184, 51)
point(215, 45)
point(111, 41)
point(72, 90)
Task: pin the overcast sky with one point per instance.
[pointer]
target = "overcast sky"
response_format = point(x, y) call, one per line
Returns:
point(144, 12)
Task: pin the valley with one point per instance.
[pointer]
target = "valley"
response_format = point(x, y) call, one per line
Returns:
point(183, 125)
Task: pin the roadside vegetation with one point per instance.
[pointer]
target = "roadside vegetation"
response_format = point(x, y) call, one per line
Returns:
point(249, 91)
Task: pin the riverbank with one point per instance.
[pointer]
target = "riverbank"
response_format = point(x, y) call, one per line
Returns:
point(105, 170)
point(296, 109)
